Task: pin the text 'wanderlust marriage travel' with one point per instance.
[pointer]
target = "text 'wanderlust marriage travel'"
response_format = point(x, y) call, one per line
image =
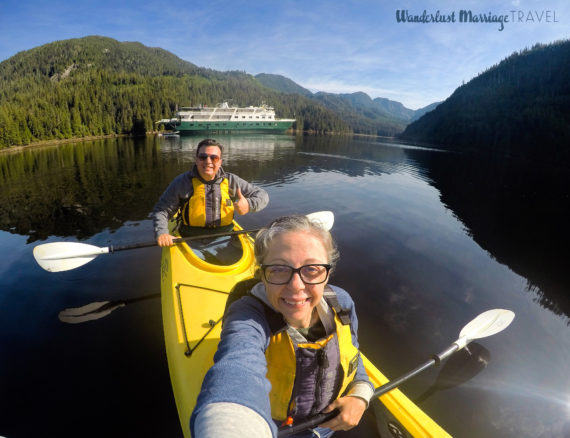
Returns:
point(468, 16)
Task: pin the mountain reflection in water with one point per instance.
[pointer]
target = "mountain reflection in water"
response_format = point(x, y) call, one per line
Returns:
point(519, 211)
point(428, 240)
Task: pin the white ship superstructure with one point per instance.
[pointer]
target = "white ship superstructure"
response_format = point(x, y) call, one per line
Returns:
point(226, 118)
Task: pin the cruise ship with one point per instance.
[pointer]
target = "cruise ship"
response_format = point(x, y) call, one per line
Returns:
point(223, 118)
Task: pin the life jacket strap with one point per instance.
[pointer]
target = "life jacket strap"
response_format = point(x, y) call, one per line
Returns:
point(332, 300)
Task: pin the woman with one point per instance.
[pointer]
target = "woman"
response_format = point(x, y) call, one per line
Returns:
point(288, 349)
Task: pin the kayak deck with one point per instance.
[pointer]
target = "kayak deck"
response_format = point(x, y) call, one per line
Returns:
point(194, 295)
point(404, 414)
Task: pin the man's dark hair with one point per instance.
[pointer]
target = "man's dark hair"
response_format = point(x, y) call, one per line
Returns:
point(209, 142)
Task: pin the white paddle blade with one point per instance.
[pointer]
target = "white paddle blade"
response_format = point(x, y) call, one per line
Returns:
point(486, 324)
point(323, 218)
point(64, 256)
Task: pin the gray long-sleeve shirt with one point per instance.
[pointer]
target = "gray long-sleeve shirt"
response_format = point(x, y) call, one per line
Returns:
point(181, 189)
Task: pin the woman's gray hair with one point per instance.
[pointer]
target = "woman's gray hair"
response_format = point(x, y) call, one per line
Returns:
point(288, 224)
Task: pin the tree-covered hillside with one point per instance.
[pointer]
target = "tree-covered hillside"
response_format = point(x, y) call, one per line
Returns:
point(99, 86)
point(282, 84)
point(380, 116)
point(362, 113)
point(518, 107)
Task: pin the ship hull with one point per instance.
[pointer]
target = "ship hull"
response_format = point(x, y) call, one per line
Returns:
point(198, 127)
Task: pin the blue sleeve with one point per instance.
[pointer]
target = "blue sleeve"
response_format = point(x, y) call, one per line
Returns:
point(239, 371)
point(345, 301)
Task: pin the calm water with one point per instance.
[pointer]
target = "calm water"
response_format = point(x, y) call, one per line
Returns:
point(428, 240)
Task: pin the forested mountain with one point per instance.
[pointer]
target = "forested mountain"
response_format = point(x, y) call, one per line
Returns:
point(519, 107)
point(393, 108)
point(362, 113)
point(282, 84)
point(98, 86)
point(377, 116)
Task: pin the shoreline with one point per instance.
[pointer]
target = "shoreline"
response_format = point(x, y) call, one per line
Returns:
point(38, 144)
point(43, 143)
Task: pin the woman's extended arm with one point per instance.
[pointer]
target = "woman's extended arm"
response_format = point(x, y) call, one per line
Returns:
point(237, 376)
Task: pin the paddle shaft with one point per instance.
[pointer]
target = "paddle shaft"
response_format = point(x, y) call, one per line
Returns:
point(381, 390)
point(64, 256)
point(179, 240)
point(435, 360)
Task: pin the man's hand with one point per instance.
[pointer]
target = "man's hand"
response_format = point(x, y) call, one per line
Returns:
point(351, 411)
point(241, 206)
point(165, 240)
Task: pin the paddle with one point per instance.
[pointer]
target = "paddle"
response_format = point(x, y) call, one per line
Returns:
point(64, 256)
point(486, 324)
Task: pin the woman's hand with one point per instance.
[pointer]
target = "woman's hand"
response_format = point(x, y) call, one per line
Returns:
point(351, 411)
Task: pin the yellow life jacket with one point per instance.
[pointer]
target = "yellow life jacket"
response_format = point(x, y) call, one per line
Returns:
point(282, 364)
point(209, 206)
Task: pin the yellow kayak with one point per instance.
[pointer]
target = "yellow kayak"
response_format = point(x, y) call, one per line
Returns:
point(194, 294)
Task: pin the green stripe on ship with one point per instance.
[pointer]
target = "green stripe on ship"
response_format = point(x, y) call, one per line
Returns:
point(199, 126)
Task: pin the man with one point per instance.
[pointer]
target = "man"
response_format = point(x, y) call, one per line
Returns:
point(206, 197)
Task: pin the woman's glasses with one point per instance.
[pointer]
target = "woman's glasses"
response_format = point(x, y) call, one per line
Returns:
point(282, 274)
point(203, 157)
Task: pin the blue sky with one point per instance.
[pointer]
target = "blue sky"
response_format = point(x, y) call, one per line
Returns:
point(334, 46)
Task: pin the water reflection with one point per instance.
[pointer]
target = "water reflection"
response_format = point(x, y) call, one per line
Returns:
point(78, 189)
point(81, 189)
point(97, 309)
point(517, 210)
point(459, 368)
point(248, 153)
point(428, 240)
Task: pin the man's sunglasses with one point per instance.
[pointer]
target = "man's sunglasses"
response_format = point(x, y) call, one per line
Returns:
point(203, 157)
